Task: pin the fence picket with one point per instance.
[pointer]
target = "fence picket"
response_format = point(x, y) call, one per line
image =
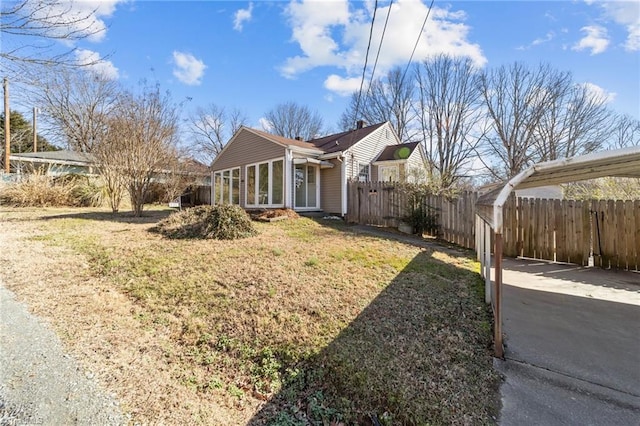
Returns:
point(560, 230)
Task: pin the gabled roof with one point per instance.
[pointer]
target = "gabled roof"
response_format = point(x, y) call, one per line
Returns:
point(325, 145)
point(282, 140)
point(345, 140)
point(397, 152)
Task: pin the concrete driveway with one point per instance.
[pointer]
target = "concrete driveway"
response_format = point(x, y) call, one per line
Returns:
point(572, 337)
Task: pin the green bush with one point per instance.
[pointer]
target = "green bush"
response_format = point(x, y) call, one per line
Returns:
point(423, 219)
point(221, 222)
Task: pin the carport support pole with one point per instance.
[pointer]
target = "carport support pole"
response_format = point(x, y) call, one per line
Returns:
point(497, 338)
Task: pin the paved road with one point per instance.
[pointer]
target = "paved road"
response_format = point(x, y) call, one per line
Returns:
point(572, 345)
point(39, 383)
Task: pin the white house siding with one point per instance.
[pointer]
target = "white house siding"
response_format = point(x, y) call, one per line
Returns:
point(368, 149)
point(331, 188)
point(415, 161)
point(247, 148)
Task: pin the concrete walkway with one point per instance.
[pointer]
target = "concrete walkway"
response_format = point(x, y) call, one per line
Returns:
point(572, 337)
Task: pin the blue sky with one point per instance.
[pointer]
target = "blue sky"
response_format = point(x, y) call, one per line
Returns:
point(254, 55)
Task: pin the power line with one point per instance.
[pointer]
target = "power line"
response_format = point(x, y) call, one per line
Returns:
point(384, 30)
point(424, 23)
point(366, 58)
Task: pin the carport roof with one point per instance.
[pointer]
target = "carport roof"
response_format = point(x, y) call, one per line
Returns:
point(623, 162)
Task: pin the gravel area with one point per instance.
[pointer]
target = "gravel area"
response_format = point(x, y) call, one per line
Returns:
point(39, 383)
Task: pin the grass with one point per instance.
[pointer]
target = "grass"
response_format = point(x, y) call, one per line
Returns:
point(306, 322)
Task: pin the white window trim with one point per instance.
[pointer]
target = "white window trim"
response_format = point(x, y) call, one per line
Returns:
point(318, 201)
point(389, 166)
point(368, 171)
point(214, 201)
point(270, 189)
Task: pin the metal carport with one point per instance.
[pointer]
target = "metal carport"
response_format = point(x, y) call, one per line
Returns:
point(623, 162)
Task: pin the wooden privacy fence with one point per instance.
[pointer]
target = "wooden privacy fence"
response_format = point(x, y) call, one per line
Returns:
point(605, 231)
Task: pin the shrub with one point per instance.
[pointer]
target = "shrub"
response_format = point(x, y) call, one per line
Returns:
point(221, 222)
point(421, 216)
point(39, 190)
point(84, 191)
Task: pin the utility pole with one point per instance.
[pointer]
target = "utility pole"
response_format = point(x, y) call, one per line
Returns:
point(7, 127)
point(35, 130)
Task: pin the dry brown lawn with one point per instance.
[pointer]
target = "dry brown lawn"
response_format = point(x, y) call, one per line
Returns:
point(307, 322)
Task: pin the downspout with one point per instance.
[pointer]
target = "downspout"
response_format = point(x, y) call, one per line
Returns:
point(288, 182)
point(343, 184)
point(212, 189)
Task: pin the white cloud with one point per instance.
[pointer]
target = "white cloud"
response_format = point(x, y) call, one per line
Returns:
point(540, 40)
point(188, 69)
point(265, 124)
point(95, 64)
point(598, 92)
point(596, 39)
point(627, 14)
point(241, 16)
point(342, 86)
point(330, 34)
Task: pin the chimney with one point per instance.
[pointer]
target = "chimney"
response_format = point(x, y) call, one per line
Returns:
point(359, 124)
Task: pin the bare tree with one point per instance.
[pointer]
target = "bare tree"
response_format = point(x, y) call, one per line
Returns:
point(141, 141)
point(31, 28)
point(181, 174)
point(110, 155)
point(575, 120)
point(450, 115)
point(78, 102)
point(625, 132)
point(212, 127)
point(292, 120)
point(515, 98)
point(388, 99)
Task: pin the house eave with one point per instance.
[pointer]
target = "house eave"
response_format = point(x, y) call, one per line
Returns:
point(17, 158)
point(331, 155)
point(307, 160)
point(389, 162)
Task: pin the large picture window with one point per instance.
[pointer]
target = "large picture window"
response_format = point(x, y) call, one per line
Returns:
point(226, 186)
point(265, 184)
point(389, 173)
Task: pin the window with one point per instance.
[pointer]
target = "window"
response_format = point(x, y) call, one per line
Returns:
point(251, 184)
point(235, 186)
point(306, 188)
point(277, 195)
point(226, 186)
point(265, 183)
point(363, 172)
point(389, 173)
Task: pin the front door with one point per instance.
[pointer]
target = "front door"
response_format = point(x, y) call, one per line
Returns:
point(306, 186)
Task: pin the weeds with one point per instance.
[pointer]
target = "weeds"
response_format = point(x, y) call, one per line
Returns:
point(39, 190)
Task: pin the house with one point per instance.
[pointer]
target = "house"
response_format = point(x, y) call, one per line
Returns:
point(54, 163)
point(65, 162)
point(259, 170)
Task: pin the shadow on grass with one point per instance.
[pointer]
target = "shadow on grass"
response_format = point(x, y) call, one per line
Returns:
point(419, 353)
point(148, 216)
